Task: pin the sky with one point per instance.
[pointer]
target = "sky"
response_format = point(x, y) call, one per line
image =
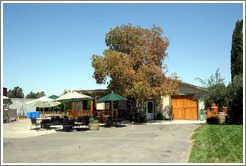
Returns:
point(48, 46)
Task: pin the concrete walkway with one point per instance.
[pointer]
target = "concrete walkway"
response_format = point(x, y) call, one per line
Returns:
point(21, 129)
point(154, 142)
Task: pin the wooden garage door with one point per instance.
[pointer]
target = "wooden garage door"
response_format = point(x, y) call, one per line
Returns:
point(184, 107)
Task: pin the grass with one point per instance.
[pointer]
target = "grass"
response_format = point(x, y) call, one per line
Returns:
point(217, 144)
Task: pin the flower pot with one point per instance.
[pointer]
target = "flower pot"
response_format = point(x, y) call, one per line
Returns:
point(93, 126)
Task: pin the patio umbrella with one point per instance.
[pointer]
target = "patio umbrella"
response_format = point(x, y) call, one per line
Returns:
point(73, 96)
point(112, 97)
point(53, 97)
point(43, 102)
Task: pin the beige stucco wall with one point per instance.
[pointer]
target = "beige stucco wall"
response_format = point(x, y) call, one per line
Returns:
point(201, 105)
point(161, 105)
point(166, 106)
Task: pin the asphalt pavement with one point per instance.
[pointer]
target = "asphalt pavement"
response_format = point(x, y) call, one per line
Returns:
point(154, 142)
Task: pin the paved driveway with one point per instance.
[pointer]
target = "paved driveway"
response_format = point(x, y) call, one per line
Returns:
point(148, 143)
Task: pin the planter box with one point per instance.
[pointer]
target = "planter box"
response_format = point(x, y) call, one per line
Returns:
point(94, 126)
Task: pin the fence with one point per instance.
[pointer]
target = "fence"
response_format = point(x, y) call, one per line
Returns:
point(214, 112)
point(101, 115)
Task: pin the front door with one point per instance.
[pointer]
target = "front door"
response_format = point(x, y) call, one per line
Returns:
point(150, 109)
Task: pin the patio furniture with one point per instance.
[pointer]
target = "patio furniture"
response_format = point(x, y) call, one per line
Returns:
point(43, 102)
point(56, 120)
point(45, 123)
point(67, 124)
point(34, 123)
point(111, 98)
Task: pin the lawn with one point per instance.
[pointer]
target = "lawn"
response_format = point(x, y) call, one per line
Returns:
point(217, 144)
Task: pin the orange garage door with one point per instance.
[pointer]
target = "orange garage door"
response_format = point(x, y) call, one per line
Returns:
point(184, 107)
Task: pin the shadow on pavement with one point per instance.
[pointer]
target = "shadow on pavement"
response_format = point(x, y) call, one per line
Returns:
point(72, 130)
point(109, 126)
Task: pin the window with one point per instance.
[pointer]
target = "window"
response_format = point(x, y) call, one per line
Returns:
point(78, 105)
point(107, 104)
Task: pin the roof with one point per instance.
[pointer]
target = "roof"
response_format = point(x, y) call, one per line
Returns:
point(99, 93)
point(190, 85)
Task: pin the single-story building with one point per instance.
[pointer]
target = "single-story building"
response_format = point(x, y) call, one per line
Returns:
point(183, 106)
point(20, 105)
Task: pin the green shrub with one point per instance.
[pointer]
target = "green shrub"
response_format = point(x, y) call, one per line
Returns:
point(213, 120)
point(142, 118)
point(138, 117)
point(93, 121)
point(160, 116)
point(131, 118)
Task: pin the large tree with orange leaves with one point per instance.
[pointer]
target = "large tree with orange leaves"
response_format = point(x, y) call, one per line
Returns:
point(133, 66)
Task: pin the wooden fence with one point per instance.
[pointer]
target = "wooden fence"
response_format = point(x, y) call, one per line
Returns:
point(214, 112)
point(101, 115)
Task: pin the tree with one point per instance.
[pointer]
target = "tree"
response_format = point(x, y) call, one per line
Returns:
point(37, 95)
point(17, 92)
point(235, 100)
point(63, 106)
point(215, 91)
point(133, 64)
point(237, 50)
point(235, 89)
point(232, 95)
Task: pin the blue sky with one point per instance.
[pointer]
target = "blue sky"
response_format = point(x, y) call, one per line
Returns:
point(47, 47)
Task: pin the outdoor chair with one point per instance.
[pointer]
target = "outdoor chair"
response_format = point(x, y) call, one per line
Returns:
point(80, 120)
point(45, 124)
point(67, 124)
point(56, 120)
point(34, 123)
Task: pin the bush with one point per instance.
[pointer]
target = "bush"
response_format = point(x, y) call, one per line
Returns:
point(131, 118)
point(142, 118)
point(235, 103)
point(138, 117)
point(160, 116)
point(93, 121)
point(213, 120)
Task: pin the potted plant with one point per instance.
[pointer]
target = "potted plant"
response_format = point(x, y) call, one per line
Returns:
point(93, 125)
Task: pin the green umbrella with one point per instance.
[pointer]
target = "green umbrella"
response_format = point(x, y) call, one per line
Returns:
point(111, 97)
point(53, 97)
